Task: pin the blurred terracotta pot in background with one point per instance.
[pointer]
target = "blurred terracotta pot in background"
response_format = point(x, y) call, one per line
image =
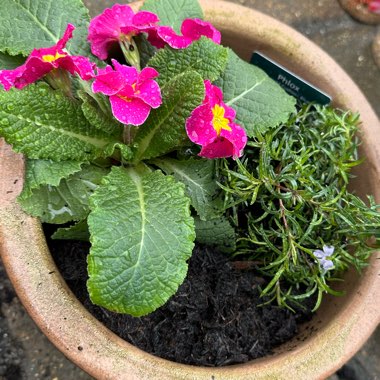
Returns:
point(359, 10)
point(336, 332)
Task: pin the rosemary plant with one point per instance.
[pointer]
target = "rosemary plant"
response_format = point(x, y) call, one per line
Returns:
point(288, 197)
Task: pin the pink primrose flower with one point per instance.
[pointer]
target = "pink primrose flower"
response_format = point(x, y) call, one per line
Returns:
point(115, 25)
point(211, 126)
point(132, 94)
point(191, 29)
point(41, 61)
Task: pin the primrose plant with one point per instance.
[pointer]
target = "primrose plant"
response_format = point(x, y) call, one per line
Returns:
point(134, 126)
point(122, 119)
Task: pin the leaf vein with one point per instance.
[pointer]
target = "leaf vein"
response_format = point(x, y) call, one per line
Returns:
point(39, 22)
point(247, 91)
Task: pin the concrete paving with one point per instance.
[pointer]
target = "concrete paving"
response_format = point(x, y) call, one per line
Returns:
point(25, 354)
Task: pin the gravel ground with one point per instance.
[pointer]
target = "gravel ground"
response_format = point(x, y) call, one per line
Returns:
point(25, 354)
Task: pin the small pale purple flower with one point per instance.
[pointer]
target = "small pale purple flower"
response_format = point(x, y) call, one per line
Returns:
point(323, 257)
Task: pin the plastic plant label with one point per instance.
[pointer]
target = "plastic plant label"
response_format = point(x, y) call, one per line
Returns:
point(290, 82)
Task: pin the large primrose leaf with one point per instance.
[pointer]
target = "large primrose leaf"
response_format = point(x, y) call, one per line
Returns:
point(45, 124)
point(10, 62)
point(173, 12)
point(165, 128)
point(78, 231)
point(47, 172)
point(28, 24)
point(141, 235)
point(62, 202)
point(98, 118)
point(260, 103)
point(198, 175)
point(203, 56)
point(217, 233)
point(146, 49)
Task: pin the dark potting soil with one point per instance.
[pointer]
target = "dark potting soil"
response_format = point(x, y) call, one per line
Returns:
point(214, 319)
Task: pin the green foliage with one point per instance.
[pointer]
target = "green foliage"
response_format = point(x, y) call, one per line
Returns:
point(260, 103)
point(60, 198)
point(203, 56)
point(198, 175)
point(9, 62)
point(141, 235)
point(146, 50)
point(217, 233)
point(45, 124)
point(288, 196)
point(29, 24)
point(165, 128)
point(47, 172)
point(100, 118)
point(285, 198)
point(78, 231)
point(173, 12)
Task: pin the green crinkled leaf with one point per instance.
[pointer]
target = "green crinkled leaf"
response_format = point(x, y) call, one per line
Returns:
point(78, 231)
point(10, 62)
point(45, 124)
point(203, 56)
point(216, 233)
point(260, 103)
point(198, 175)
point(165, 128)
point(29, 24)
point(119, 151)
point(47, 172)
point(66, 202)
point(141, 235)
point(146, 49)
point(173, 12)
point(98, 118)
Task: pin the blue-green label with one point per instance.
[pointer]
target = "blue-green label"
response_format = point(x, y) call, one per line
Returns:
point(290, 82)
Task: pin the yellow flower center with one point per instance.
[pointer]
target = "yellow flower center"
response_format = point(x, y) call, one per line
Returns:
point(126, 37)
point(125, 98)
point(51, 58)
point(219, 122)
point(134, 89)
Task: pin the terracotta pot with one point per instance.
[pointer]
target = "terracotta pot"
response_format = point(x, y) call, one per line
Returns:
point(376, 48)
point(360, 12)
point(337, 330)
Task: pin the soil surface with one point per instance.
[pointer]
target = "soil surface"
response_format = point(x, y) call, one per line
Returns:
point(216, 318)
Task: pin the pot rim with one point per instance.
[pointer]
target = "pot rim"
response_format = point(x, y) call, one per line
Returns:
point(106, 356)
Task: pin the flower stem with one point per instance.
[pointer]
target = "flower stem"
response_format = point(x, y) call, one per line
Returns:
point(100, 99)
point(128, 134)
point(130, 51)
point(59, 80)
